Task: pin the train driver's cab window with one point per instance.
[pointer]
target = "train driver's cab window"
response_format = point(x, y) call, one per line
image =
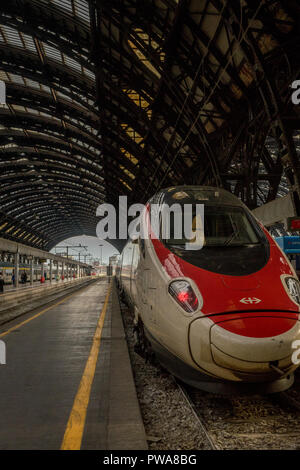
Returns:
point(223, 226)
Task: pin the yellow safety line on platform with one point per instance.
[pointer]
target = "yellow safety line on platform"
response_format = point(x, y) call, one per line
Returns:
point(75, 427)
point(37, 315)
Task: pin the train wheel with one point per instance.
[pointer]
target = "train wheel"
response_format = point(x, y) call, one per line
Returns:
point(142, 346)
point(122, 296)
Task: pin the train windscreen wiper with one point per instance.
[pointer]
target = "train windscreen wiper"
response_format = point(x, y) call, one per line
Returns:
point(234, 234)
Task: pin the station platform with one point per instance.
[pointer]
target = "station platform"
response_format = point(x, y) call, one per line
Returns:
point(67, 382)
point(12, 288)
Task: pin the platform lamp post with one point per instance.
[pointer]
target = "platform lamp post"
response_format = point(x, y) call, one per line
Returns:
point(17, 266)
point(101, 246)
point(31, 260)
point(51, 270)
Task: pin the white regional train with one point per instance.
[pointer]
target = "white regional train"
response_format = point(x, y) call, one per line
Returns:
point(223, 318)
point(7, 270)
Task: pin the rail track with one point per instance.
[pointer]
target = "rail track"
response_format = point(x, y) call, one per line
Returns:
point(190, 403)
point(242, 422)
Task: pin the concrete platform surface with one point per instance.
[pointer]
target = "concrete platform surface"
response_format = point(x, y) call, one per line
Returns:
point(67, 382)
point(19, 301)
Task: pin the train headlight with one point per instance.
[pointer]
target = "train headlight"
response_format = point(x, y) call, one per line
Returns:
point(184, 295)
point(293, 288)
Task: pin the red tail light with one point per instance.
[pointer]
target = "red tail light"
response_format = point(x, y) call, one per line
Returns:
point(184, 295)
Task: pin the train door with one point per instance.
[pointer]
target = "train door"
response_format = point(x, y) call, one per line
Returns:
point(134, 272)
point(126, 268)
point(148, 288)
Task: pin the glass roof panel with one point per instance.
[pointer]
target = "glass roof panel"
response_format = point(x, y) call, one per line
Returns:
point(11, 36)
point(82, 9)
point(65, 4)
point(29, 43)
point(52, 52)
point(72, 63)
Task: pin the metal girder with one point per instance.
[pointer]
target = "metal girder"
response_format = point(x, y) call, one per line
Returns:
point(47, 125)
point(22, 140)
point(107, 97)
point(70, 35)
point(51, 73)
point(12, 247)
point(44, 102)
point(28, 156)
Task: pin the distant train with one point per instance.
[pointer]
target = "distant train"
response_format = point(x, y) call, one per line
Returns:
point(222, 318)
point(7, 269)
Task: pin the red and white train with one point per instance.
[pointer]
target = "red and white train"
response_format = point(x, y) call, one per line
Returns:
point(223, 318)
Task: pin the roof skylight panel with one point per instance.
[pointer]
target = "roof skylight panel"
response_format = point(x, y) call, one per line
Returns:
point(72, 63)
point(32, 131)
point(45, 88)
point(2, 39)
point(32, 111)
point(74, 120)
point(16, 129)
point(29, 43)
point(52, 52)
point(88, 73)
point(65, 4)
point(18, 108)
point(65, 97)
point(31, 84)
point(12, 36)
point(3, 76)
point(16, 79)
point(82, 9)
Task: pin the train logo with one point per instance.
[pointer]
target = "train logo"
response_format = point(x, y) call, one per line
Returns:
point(250, 300)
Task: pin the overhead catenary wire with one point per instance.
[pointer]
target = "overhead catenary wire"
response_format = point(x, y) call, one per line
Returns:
point(208, 98)
point(199, 114)
point(182, 109)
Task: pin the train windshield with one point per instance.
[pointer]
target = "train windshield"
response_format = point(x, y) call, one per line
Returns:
point(233, 242)
point(223, 226)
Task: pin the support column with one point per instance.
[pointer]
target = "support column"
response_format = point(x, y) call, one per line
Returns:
point(50, 270)
point(31, 271)
point(63, 271)
point(42, 272)
point(17, 266)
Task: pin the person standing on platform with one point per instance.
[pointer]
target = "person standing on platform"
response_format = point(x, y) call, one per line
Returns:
point(1, 283)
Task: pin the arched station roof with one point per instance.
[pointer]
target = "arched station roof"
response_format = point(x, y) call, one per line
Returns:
point(123, 97)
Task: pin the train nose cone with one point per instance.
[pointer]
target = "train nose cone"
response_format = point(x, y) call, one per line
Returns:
point(249, 344)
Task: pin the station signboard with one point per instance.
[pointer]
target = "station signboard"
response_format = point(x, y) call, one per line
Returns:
point(290, 245)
